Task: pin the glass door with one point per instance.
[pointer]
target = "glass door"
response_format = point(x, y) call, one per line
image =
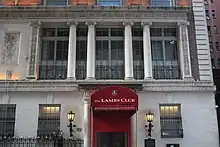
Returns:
point(111, 139)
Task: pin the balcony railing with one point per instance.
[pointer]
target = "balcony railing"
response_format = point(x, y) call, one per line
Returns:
point(166, 72)
point(53, 71)
point(39, 142)
point(110, 72)
point(59, 71)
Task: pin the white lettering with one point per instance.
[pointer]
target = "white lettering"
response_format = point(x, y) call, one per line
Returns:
point(111, 100)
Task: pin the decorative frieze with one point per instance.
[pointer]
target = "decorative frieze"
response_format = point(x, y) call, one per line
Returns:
point(79, 12)
point(9, 54)
point(34, 43)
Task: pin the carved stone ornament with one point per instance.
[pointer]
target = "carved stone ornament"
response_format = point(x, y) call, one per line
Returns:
point(9, 54)
point(185, 47)
point(35, 28)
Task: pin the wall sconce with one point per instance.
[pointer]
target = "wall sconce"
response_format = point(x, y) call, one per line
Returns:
point(71, 116)
point(149, 117)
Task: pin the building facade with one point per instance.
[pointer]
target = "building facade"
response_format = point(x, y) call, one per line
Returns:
point(109, 62)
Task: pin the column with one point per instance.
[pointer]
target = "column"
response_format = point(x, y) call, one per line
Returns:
point(90, 73)
point(33, 49)
point(86, 116)
point(128, 51)
point(147, 50)
point(71, 69)
point(185, 62)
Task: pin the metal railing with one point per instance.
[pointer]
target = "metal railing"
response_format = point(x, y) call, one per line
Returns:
point(110, 72)
point(172, 133)
point(166, 72)
point(39, 142)
point(57, 71)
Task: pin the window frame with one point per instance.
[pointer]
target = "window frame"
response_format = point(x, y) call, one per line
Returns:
point(44, 2)
point(169, 117)
point(6, 120)
point(48, 118)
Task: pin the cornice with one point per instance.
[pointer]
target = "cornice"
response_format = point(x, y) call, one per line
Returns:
point(92, 12)
point(75, 85)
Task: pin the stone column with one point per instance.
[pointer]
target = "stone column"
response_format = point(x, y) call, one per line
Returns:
point(128, 51)
point(90, 73)
point(71, 70)
point(147, 50)
point(33, 49)
point(86, 118)
point(185, 62)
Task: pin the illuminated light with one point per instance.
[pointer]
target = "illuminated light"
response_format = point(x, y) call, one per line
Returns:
point(14, 76)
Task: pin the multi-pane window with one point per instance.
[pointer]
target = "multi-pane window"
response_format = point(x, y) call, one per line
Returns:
point(217, 45)
point(109, 2)
point(213, 14)
point(81, 52)
point(164, 53)
point(171, 121)
point(162, 3)
point(7, 119)
point(54, 53)
point(109, 53)
point(138, 57)
point(49, 119)
point(55, 2)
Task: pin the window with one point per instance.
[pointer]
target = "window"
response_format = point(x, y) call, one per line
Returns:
point(54, 53)
point(217, 45)
point(171, 121)
point(55, 2)
point(109, 53)
point(218, 62)
point(81, 52)
point(164, 53)
point(213, 63)
point(161, 3)
point(138, 55)
point(207, 14)
point(109, 2)
point(211, 46)
point(213, 14)
point(215, 29)
point(7, 119)
point(49, 119)
point(206, 2)
point(212, 1)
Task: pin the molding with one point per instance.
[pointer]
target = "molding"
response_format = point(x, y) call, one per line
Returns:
point(72, 13)
point(147, 85)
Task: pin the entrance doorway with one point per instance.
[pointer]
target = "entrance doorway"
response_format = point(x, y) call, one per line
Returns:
point(111, 139)
point(112, 108)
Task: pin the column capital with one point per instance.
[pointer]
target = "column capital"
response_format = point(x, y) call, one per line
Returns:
point(70, 23)
point(130, 23)
point(183, 23)
point(144, 23)
point(91, 23)
point(35, 23)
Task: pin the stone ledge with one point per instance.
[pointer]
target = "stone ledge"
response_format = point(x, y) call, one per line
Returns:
point(92, 12)
point(74, 85)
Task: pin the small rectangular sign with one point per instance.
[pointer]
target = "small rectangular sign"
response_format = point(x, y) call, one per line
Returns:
point(149, 142)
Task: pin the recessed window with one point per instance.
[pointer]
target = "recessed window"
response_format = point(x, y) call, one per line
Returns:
point(211, 46)
point(48, 119)
point(109, 2)
point(55, 2)
point(213, 14)
point(207, 14)
point(171, 121)
point(161, 3)
point(217, 45)
point(215, 29)
point(212, 1)
point(7, 119)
